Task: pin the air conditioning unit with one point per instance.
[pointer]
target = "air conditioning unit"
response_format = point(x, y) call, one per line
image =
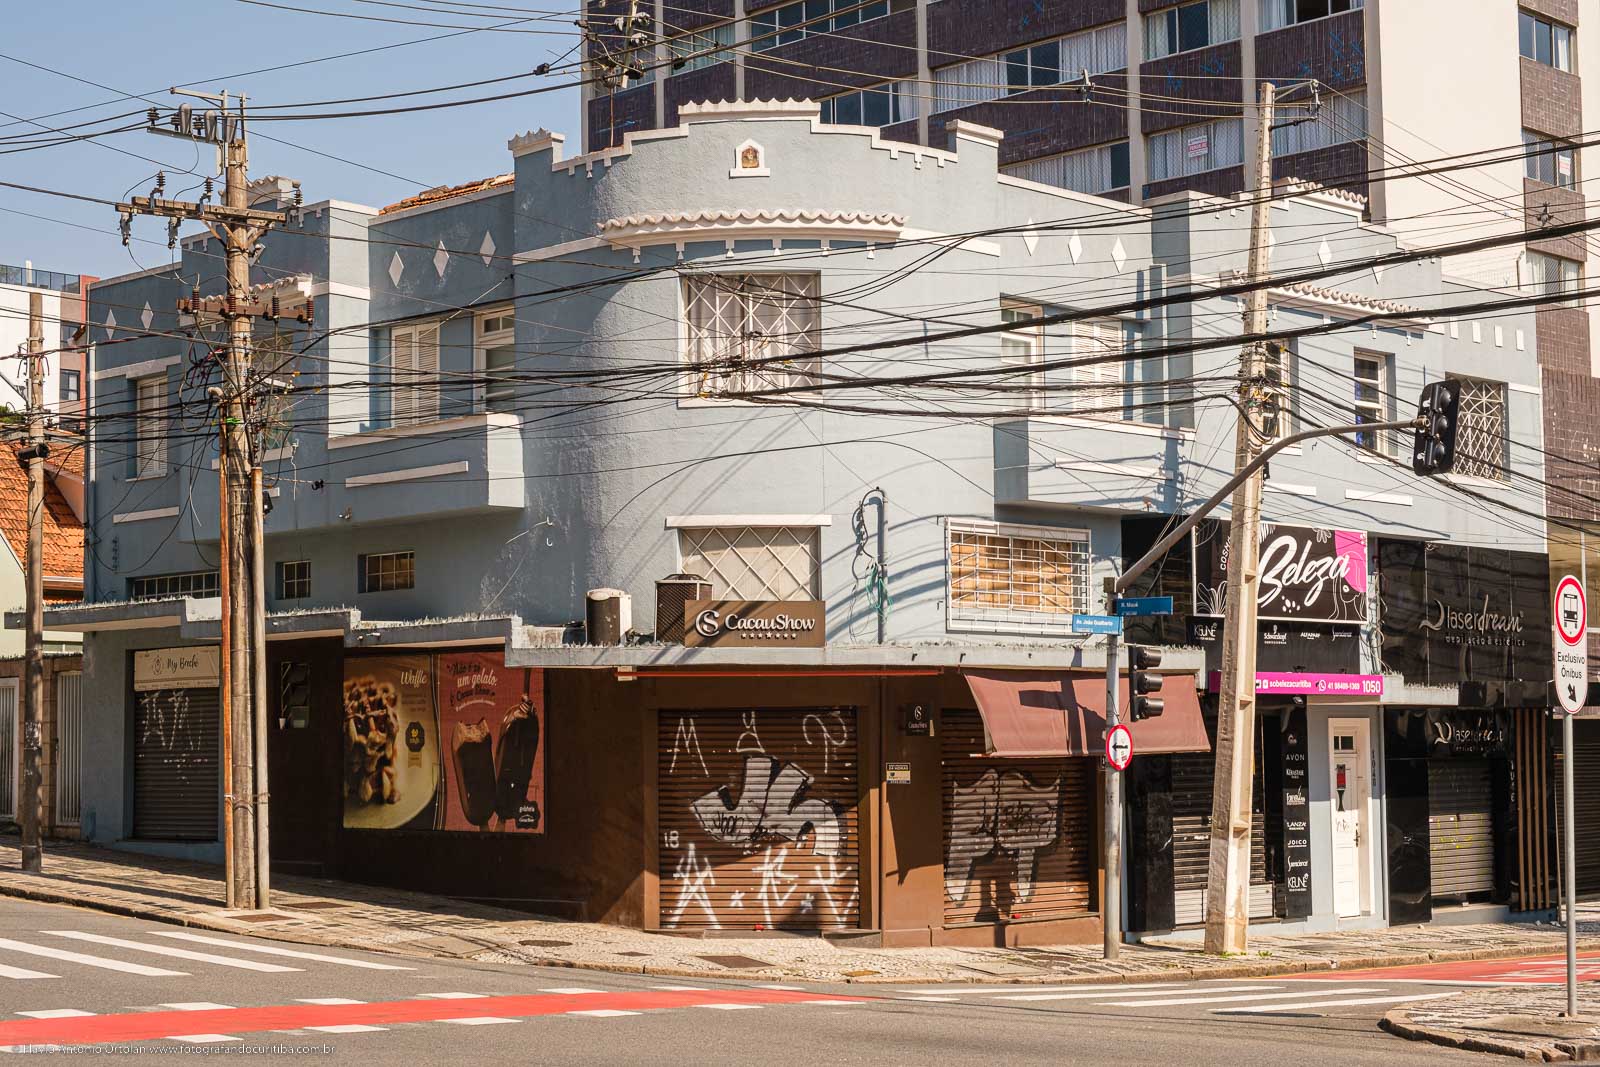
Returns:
point(608, 616)
point(672, 593)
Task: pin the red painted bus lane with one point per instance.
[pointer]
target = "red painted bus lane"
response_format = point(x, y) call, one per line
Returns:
point(1528, 970)
point(155, 1025)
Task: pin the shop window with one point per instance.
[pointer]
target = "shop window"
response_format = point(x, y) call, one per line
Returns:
point(751, 332)
point(294, 579)
point(1481, 430)
point(383, 572)
point(200, 584)
point(1015, 579)
point(754, 562)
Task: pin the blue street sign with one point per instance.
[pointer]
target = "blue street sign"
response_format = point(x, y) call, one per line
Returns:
point(1096, 624)
point(1144, 605)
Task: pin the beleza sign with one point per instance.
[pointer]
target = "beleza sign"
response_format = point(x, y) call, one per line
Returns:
point(755, 624)
point(1570, 613)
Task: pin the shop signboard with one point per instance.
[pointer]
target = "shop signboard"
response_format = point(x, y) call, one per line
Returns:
point(1288, 648)
point(1307, 573)
point(755, 624)
point(1296, 815)
point(195, 667)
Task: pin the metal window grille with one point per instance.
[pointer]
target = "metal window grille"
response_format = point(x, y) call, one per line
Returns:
point(753, 562)
point(1481, 430)
point(69, 748)
point(736, 320)
point(1371, 401)
point(1017, 579)
point(383, 572)
point(200, 584)
point(8, 748)
point(294, 579)
point(1549, 161)
point(150, 426)
point(1554, 276)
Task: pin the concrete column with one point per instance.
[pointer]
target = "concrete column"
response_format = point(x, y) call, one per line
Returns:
point(1136, 161)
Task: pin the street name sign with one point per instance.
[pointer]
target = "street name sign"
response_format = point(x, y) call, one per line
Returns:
point(1570, 613)
point(1144, 605)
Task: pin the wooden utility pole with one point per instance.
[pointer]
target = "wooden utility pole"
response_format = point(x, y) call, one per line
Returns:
point(1228, 874)
point(241, 550)
point(31, 801)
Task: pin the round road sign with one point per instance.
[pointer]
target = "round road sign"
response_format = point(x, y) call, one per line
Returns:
point(1119, 747)
point(1570, 617)
point(1571, 610)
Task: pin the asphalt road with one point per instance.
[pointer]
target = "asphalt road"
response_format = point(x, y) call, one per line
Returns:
point(69, 976)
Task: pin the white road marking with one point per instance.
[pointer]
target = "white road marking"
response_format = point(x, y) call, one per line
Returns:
point(833, 1003)
point(23, 972)
point(1223, 1000)
point(571, 990)
point(56, 1013)
point(676, 988)
point(478, 1020)
point(1334, 1003)
point(453, 996)
point(348, 1028)
point(180, 953)
point(1024, 987)
point(602, 1013)
point(327, 1000)
point(204, 1039)
point(727, 1007)
point(272, 950)
point(782, 988)
point(197, 1005)
point(1162, 990)
point(89, 961)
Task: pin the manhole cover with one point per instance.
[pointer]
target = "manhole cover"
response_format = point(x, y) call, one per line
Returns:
point(314, 905)
point(734, 961)
point(536, 943)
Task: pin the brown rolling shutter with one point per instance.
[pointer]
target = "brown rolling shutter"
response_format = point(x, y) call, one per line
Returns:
point(757, 815)
point(1018, 834)
point(1460, 830)
point(1192, 778)
point(177, 740)
point(1586, 800)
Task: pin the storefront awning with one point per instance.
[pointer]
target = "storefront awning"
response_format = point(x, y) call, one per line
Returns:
point(1054, 713)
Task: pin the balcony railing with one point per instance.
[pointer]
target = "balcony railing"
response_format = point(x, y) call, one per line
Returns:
point(35, 278)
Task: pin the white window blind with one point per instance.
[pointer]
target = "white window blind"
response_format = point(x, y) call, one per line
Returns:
point(1096, 170)
point(737, 322)
point(1054, 62)
point(1015, 579)
point(1098, 387)
point(753, 562)
point(1194, 149)
point(414, 374)
point(1341, 118)
point(150, 450)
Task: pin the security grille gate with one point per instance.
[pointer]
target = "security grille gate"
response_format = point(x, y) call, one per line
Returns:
point(1460, 829)
point(757, 819)
point(8, 749)
point(69, 748)
point(1018, 837)
point(1586, 804)
point(1192, 776)
point(176, 764)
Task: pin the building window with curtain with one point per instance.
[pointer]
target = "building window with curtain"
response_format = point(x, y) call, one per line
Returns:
point(1015, 579)
point(1190, 26)
point(1341, 118)
point(1554, 276)
point(1544, 41)
point(882, 106)
point(750, 332)
point(1194, 149)
point(1102, 169)
point(1055, 62)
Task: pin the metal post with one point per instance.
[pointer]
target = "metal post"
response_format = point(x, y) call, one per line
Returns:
point(30, 803)
point(1569, 836)
point(225, 669)
point(1111, 906)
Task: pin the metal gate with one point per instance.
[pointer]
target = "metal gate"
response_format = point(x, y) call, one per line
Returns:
point(1586, 800)
point(176, 764)
point(757, 817)
point(69, 748)
point(1192, 776)
point(8, 748)
point(1018, 837)
point(1460, 828)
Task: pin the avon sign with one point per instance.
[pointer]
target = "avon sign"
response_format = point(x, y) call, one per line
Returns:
point(1308, 574)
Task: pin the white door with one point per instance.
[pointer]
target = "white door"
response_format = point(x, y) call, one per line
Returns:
point(10, 768)
point(1349, 789)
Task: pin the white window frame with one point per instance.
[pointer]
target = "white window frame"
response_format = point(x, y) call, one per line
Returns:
point(1099, 386)
point(414, 400)
point(1023, 348)
point(1225, 134)
point(1379, 405)
point(1554, 275)
point(1276, 14)
point(150, 426)
point(696, 345)
point(978, 618)
point(1160, 27)
point(695, 541)
point(495, 328)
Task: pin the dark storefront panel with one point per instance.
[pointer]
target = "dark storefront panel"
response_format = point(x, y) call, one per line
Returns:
point(306, 749)
point(1586, 797)
point(1193, 776)
point(177, 740)
point(757, 817)
point(1019, 840)
point(1460, 830)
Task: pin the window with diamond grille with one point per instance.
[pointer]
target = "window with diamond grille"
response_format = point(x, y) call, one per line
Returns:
point(1025, 579)
point(737, 321)
point(753, 562)
point(1481, 430)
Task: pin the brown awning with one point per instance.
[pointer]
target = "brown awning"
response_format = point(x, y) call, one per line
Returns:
point(1054, 713)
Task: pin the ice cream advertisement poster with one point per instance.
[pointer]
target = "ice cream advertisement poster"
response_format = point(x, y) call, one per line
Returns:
point(391, 744)
point(491, 735)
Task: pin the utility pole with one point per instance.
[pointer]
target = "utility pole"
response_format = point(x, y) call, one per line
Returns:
point(1228, 873)
point(239, 227)
point(31, 802)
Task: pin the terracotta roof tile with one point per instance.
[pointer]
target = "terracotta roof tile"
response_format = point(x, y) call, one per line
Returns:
point(63, 533)
point(445, 192)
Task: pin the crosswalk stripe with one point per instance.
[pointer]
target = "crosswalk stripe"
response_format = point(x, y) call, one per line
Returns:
point(204, 1039)
point(348, 1028)
point(453, 996)
point(330, 1001)
point(1333, 1003)
point(728, 1007)
point(478, 1020)
point(272, 950)
point(1222, 1000)
point(88, 961)
point(23, 972)
point(571, 990)
point(602, 1013)
point(197, 1005)
point(179, 953)
point(56, 1013)
point(1162, 990)
point(679, 988)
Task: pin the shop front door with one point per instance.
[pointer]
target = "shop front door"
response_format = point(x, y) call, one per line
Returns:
point(1350, 790)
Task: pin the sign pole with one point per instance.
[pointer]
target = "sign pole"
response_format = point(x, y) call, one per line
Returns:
point(1569, 615)
point(1569, 835)
point(1111, 906)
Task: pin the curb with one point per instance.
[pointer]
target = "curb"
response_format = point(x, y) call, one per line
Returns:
point(1399, 1023)
point(45, 895)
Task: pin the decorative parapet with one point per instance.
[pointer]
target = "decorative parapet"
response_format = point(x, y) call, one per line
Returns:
point(1315, 193)
point(1336, 301)
point(537, 140)
point(681, 228)
point(747, 109)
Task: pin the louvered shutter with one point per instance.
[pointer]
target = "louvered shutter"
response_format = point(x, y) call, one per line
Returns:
point(177, 750)
point(1100, 383)
point(1460, 828)
point(425, 394)
point(402, 376)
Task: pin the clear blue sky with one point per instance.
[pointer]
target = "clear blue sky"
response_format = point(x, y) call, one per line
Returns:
point(141, 49)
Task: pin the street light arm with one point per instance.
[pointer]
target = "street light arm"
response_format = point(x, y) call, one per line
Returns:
point(1150, 558)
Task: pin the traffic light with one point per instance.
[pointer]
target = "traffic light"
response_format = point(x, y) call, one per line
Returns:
point(1141, 683)
point(1434, 448)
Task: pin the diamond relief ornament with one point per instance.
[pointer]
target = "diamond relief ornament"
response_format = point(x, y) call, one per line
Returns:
point(1324, 253)
point(441, 259)
point(396, 268)
point(1030, 237)
point(111, 323)
point(1119, 254)
point(147, 316)
point(486, 250)
point(1075, 246)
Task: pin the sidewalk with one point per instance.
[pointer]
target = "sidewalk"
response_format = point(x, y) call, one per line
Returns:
point(323, 912)
point(1521, 1021)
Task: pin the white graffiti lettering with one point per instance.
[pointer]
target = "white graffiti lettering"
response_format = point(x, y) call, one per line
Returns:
point(826, 728)
point(772, 805)
point(771, 892)
point(693, 875)
point(1001, 811)
point(749, 737)
point(686, 739)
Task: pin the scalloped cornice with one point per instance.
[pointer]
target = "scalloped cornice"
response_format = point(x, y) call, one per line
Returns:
point(801, 224)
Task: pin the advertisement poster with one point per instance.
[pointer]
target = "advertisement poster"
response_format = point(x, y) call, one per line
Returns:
point(1307, 573)
point(491, 726)
point(391, 744)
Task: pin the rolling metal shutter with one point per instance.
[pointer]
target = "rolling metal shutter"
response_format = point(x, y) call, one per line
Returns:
point(1018, 835)
point(757, 817)
point(10, 768)
point(177, 758)
point(1586, 800)
point(1192, 776)
point(1460, 828)
point(69, 747)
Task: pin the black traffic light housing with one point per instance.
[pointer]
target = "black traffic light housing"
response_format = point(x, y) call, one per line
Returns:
point(1141, 682)
point(1434, 448)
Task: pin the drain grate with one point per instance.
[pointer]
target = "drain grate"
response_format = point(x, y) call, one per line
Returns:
point(536, 943)
point(633, 953)
point(314, 905)
point(258, 917)
point(735, 961)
